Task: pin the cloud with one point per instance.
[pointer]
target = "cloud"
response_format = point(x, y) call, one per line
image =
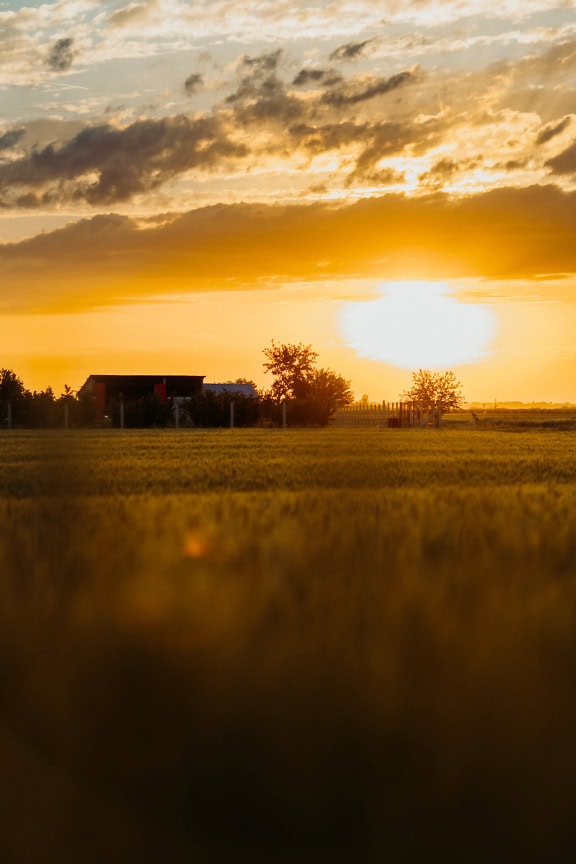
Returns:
point(193, 83)
point(329, 77)
point(366, 89)
point(261, 96)
point(350, 51)
point(552, 129)
point(565, 162)
point(61, 55)
point(104, 164)
point(263, 64)
point(135, 13)
point(10, 138)
point(506, 233)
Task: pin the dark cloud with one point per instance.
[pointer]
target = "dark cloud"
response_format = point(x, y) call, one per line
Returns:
point(264, 63)
point(440, 173)
point(565, 162)
point(446, 170)
point(261, 96)
point(350, 51)
point(512, 164)
point(385, 139)
point(318, 138)
point(355, 93)
point(193, 83)
point(383, 177)
point(552, 129)
point(61, 55)
point(503, 233)
point(375, 140)
point(11, 138)
point(103, 164)
point(317, 76)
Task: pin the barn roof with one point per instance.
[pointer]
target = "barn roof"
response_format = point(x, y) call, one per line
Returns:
point(173, 382)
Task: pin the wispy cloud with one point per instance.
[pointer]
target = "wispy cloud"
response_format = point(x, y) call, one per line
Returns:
point(366, 88)
point(350, 51)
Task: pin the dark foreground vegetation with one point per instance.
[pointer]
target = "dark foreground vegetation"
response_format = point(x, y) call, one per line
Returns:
point(282, 646)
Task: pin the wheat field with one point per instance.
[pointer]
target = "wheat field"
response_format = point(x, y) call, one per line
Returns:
point(287, 645)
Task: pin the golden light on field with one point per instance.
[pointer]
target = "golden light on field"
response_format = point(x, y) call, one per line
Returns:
point(418, 325)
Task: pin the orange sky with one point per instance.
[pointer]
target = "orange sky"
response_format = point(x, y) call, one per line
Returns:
point(181, 183)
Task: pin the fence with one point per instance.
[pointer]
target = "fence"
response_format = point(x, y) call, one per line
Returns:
point(384, 414)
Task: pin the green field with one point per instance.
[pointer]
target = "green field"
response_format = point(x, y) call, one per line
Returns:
point(287, 646)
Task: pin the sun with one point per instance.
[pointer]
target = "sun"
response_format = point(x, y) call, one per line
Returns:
point(418, 325)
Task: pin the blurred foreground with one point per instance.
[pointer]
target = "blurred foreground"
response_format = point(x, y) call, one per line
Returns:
point(311, 646)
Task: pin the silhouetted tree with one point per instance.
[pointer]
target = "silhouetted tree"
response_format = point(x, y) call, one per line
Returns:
point(312, 394)
point(12, 392)
point(243, 381)
point(212, 409)
point(11, 387)
point(291, 365)
point(434, 390)
point(37, 410)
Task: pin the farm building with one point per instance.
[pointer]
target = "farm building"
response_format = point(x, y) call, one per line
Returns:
point(242, 389)
point(128, 387)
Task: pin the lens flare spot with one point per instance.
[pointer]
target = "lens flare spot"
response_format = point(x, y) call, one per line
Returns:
point(195, 545)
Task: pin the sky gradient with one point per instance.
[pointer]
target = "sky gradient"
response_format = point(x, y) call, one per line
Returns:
point(393, 182)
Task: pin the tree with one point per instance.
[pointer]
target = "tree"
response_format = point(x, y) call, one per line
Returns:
point(12, 395)
point(291, 366)
point(313, 394)
point(11, 387)
point(434, 391)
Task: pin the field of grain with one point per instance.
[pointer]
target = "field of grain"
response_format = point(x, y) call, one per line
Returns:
point(287, 646)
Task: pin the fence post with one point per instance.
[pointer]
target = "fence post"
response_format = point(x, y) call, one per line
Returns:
point(231, 413)
point(9, 415)
point(284, 414)
point(66, 415)
point(177, 415)
point(121, 411)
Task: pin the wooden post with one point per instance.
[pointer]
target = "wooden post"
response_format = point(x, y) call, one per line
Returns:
point(9, 415)
point(231, 413)
point(121, 412)
point(66, 415)
point(284, 414)
point(177, 415)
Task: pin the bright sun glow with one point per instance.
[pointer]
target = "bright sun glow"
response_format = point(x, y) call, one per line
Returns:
point(418, 325)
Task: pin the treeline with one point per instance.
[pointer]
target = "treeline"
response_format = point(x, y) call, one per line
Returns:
point(309, 405)
point(41, 409)
point(21, 408)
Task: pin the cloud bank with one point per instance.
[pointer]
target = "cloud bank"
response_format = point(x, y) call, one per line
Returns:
point(505, 233)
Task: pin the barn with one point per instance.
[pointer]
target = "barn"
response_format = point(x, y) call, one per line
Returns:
point(129, 387)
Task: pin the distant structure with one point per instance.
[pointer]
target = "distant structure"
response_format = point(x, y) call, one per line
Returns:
point(128, 387)
point(232, 389)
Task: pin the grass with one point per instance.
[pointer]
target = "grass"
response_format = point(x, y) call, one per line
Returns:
point(312, 646)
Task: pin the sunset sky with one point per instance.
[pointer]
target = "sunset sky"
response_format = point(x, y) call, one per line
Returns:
point(391, 181)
